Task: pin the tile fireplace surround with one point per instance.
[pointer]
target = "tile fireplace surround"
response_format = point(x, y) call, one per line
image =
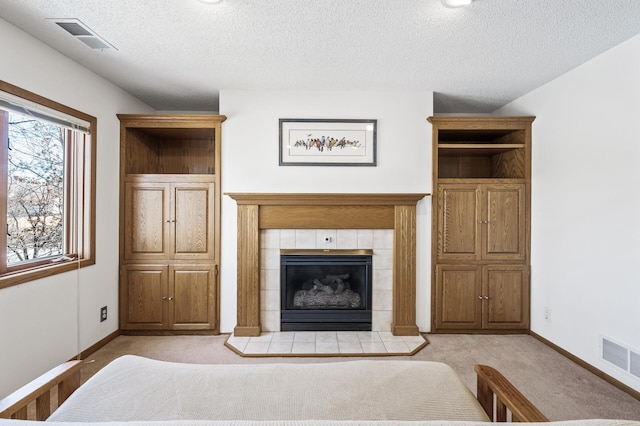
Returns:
point(273, 240)
point(258, 213)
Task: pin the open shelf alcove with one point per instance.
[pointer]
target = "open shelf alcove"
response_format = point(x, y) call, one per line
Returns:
point(257, 211)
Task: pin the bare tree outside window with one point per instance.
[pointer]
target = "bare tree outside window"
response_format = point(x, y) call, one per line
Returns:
point(35, 197)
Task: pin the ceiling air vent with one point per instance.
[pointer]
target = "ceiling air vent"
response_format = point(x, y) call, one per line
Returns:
point(83, 33)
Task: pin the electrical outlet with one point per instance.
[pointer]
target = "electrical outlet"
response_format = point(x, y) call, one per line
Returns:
point(103, 314)
point(547, 313)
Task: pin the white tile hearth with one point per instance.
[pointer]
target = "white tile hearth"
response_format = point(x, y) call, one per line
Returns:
point(326, 343)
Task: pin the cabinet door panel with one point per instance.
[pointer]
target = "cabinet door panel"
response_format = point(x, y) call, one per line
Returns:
point(458, 236)
point(193, 297)
point(145, 287)
point(194, 231)
point(504, 233)
point(507, 288)
point(146, 215)
point(458, 305)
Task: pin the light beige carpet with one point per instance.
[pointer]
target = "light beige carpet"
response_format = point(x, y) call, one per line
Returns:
point(561, 389)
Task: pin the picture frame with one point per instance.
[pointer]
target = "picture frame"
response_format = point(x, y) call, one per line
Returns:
point(327, 142)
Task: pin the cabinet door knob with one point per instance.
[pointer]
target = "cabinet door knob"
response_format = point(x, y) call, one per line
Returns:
point(164, 297)
point(486, 298)
point(480, 297)
point(170, 298)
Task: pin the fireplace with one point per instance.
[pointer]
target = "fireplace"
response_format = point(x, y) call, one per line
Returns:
point(326, 290)
point(261, 211)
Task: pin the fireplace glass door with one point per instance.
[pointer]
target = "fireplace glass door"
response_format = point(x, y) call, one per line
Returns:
point(326, 291)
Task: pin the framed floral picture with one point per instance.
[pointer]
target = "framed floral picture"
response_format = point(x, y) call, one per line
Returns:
point(321, 142)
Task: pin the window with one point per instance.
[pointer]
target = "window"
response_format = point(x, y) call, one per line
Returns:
point(47, 187)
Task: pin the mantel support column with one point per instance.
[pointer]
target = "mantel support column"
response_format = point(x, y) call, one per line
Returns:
point(404, 272)
point(248, 271)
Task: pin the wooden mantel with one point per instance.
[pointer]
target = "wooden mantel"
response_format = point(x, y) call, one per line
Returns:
point(258, 211)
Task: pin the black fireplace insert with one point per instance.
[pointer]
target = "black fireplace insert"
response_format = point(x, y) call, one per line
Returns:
point(326, 290)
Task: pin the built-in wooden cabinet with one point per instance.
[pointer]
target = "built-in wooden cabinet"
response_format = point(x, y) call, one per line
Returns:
point(481, 223)
point(170, 222)
point(475, 297)
point(169, 219)
point(161, 297)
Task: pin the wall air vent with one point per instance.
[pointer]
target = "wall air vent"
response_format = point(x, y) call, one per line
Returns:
point(634, 365)
point(83, 33)
point(621, 356)
point(614, 353)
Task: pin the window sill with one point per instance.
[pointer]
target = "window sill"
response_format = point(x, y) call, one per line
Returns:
point(43, 271)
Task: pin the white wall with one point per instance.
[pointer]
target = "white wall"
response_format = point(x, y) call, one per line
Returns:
point(39, 320)
point(250, 164)
point(586, 205)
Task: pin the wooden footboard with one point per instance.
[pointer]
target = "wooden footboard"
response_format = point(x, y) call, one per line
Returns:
point(64, 379)
point(499, 397)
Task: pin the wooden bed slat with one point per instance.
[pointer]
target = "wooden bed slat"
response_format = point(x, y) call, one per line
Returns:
point(65, 376)
point(485, 396)
point(43, 406)
point(492, 384)
point(501, 411)
point(21, 414)
point(67, 387)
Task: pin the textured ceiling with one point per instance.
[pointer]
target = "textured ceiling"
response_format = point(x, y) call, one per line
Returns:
point(178, 54)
